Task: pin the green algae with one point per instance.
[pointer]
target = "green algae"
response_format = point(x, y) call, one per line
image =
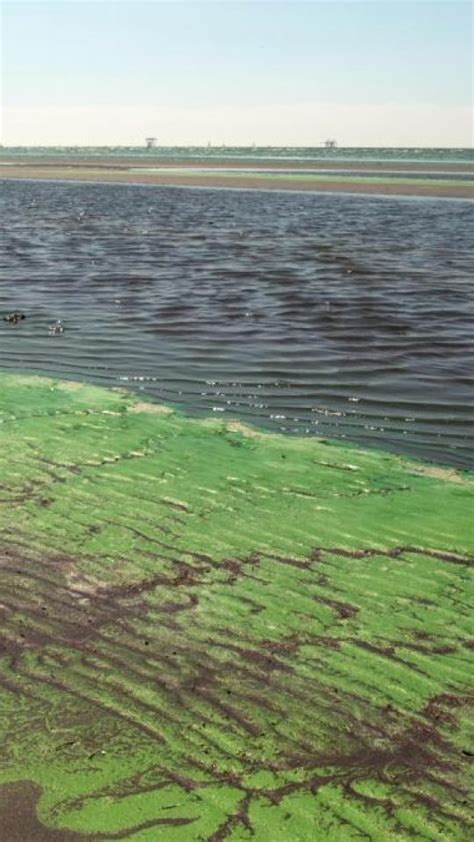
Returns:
point(214, 633)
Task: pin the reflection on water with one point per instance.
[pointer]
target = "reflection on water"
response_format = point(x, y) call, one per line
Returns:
point(323, 315)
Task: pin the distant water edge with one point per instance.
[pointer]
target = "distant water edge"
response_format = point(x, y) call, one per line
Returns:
point(247, 153)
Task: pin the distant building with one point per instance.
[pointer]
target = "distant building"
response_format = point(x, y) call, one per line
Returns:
point(150, 142)
point(330, 143)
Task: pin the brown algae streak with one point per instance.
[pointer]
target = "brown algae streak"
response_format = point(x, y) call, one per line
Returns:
point(210, 633)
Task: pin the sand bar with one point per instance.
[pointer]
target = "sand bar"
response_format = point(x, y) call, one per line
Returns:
point(384, 178)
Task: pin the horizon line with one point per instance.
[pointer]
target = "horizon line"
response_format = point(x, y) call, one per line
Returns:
point(319, 144)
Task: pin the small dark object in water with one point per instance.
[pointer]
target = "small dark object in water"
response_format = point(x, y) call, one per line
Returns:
point(14, 318)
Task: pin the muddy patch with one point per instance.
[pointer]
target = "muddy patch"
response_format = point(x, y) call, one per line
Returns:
point(19, 819)
point(155, 408)
point(446, 474)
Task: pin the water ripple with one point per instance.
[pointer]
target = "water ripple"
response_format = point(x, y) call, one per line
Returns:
point(312, 314)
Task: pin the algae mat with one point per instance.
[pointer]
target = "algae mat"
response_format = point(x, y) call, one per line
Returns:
point(211, 633)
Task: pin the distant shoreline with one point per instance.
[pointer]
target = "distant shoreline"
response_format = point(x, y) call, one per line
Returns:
point(357, 177)
point(104, 161)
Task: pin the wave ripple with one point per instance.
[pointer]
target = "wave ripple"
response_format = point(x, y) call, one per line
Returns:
point(309, 314)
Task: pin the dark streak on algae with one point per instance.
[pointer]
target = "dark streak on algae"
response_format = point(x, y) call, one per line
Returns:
point(210, 633)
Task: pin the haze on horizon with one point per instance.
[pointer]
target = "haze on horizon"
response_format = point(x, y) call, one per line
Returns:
point(273, 72)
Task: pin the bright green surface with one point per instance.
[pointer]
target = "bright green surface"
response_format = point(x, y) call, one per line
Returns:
point(211, 634)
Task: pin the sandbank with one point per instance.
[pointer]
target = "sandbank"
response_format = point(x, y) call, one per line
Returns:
point(375, 178)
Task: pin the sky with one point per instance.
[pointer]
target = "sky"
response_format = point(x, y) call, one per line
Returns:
point(270, 72)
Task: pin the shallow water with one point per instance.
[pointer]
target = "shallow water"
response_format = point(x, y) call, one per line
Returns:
point(466, 176)
point(248, 153)
point(328, 315)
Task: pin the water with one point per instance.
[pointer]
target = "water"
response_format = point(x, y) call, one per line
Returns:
point(245, 153)
point(310, 314)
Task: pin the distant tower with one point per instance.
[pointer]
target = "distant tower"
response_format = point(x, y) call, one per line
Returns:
point(150, 142)
point(330, 143)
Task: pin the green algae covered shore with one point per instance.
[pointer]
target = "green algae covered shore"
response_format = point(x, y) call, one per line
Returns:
point(213, 633)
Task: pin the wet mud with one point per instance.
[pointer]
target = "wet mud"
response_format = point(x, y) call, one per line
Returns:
point(18, 817)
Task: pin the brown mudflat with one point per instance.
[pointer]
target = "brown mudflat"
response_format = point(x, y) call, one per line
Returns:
point(19, 820)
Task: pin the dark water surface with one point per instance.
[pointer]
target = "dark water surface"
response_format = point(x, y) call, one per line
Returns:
point(316, 314)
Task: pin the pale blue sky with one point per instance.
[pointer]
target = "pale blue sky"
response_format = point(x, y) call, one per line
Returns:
point(167, 58)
